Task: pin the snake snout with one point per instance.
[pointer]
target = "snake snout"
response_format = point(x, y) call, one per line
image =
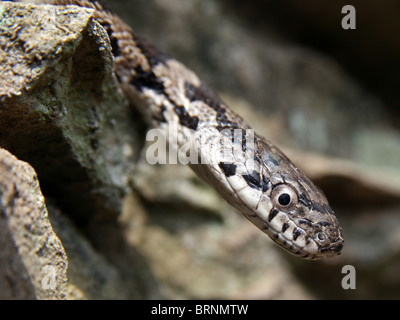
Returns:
point(333, 249)
point(337, 247)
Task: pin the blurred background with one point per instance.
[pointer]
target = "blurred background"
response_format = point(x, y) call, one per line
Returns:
point(328, 96)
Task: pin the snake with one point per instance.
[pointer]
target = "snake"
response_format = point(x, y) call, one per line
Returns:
point(252, 174)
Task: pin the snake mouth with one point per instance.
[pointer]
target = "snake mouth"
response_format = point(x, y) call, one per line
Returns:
point(307, 250)
point(329, 252)
point(311, 250)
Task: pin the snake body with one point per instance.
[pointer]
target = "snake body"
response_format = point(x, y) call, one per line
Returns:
point(256, 178)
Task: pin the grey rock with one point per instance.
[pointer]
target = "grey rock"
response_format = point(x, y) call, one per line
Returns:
point(33, 262)
point(61, 109)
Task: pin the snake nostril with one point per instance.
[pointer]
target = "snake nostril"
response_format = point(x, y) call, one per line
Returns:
point(320, 236)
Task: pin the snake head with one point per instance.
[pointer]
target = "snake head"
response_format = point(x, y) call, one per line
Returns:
point(280, 200)
point(302, 221)
point(297, 215)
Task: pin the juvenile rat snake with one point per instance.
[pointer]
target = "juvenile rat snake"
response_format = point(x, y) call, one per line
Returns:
point(254, 177)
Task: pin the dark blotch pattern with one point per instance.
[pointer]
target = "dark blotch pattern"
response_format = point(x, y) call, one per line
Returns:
point(253, 180)
point(205, 94)
point(209, 97)
point(266, 184)
point(224, 124)
point(296, 234)
point(305, 221)
point(285, 226)
point(185, 119)
point(304, 201)
point(147, 80)
point(228, 168)
point(272, 214)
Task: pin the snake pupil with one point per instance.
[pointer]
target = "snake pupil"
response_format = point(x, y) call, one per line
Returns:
point(284, 199)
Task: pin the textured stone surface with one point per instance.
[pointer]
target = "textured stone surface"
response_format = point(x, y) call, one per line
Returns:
point(60, 106)
point(60, 109)
point(33, 263)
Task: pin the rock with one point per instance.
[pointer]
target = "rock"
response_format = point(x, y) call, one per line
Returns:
point(33, 262)
point(61, 109)
point(90, 275)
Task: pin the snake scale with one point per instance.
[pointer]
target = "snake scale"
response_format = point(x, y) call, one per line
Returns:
point(252, 175)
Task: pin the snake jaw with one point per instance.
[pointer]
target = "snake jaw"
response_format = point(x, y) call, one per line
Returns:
point(304, 227)
point(297, 243)
point(305, 246)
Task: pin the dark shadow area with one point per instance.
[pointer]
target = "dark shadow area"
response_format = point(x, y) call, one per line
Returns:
point(370, 53)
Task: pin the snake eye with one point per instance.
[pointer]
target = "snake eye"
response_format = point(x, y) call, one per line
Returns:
point(284, 197)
